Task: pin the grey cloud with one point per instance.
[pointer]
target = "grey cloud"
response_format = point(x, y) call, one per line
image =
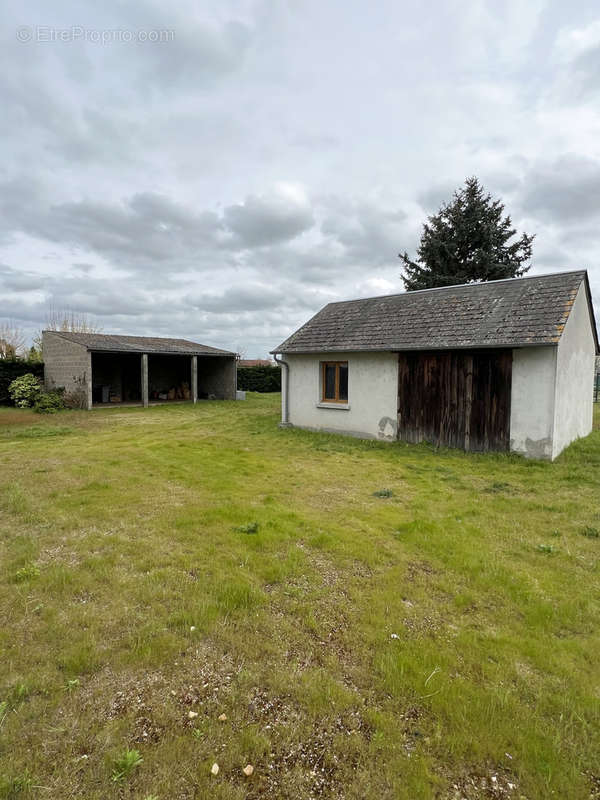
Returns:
point(432, 198)
point(147, 227)
point(367, 232)
point(564, 190)
point(263, 220)
point(255, 297)
point(197, 55)
point(584, 75)
point(20, 280)
point(152, 227)
point(239, 298)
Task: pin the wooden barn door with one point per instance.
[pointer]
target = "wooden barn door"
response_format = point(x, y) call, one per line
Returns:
point(455, 398)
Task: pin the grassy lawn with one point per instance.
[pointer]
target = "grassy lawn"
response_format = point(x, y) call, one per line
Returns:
point(162, 568)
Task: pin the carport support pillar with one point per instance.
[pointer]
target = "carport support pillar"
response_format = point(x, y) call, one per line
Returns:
point(88, 383)
point(194, 379)
point(145, 380)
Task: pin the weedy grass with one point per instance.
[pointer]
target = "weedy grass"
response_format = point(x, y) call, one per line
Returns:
point(125, 764)
point(433, 639)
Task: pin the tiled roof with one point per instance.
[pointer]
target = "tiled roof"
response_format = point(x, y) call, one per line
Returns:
point(507, 313)
point(141, 344)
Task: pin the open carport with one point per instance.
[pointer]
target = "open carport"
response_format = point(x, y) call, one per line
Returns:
point(105, 369)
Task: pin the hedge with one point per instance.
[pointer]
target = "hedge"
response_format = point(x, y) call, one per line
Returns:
point(14, 368)
point(259, 379)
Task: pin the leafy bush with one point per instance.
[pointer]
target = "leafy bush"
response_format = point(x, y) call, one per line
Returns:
point(25, 391)
point(14, 368)
point(49, 403)
point(259, 379)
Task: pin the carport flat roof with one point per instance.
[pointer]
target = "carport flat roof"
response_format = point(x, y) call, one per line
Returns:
point(112, 343)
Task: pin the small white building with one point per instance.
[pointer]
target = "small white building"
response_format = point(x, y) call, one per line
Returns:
point(504, 365)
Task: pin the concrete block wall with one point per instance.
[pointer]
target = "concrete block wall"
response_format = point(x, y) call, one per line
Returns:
point(66, 364)
point(217, 375)
point(167, 371)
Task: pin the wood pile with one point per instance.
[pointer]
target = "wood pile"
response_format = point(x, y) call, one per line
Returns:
point(180, 392)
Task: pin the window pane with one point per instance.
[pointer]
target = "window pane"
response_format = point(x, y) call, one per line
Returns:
point(330, 381)
point(343, 382)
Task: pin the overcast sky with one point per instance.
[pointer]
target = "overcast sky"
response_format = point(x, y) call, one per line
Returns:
point(263, 158)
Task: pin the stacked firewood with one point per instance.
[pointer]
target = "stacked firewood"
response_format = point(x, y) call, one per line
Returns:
point(181, 392)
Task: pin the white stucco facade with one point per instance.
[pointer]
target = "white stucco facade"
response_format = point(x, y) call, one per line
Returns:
point(371, 411)
point(532, 401)
point(551, 394)
point(575, 366)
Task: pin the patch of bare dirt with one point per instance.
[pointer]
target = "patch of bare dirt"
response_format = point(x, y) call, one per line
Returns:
point(492, 784)
point(197, 683)
point(594, 785)
point(313, 765)
point(417, 569)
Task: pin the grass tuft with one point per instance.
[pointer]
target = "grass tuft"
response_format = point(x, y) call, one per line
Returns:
point(26, 573)
point(249, 527)
point(125, 765)
point(590, 532)
point(547, 548)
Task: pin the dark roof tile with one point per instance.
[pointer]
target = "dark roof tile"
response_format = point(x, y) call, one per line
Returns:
point(508, 313)
point(141, 344)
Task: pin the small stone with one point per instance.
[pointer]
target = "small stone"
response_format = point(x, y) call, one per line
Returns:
point(192, 714)
point(222, 717)
point(214, 769)
point(248, 770)
point(173, 692)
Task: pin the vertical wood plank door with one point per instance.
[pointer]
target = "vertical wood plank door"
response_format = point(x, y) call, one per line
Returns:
point(455, 398)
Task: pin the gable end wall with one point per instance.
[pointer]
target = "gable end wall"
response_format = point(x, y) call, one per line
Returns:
point(66, 364)
point(575, 365)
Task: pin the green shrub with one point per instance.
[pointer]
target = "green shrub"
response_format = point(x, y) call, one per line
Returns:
point(25, 390)
point(11, 368)
point(49, 403)
point(259, 379)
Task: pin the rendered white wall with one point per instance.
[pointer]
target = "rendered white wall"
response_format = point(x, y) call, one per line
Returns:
point(575, 365)
point(372, 394)
point(532, 401)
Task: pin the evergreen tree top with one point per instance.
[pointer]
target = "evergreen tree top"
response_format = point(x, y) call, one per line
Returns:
point(468, 240)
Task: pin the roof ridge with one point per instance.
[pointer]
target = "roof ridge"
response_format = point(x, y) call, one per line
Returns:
point(118, 335)
point(459, 286)
point(509, 312)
